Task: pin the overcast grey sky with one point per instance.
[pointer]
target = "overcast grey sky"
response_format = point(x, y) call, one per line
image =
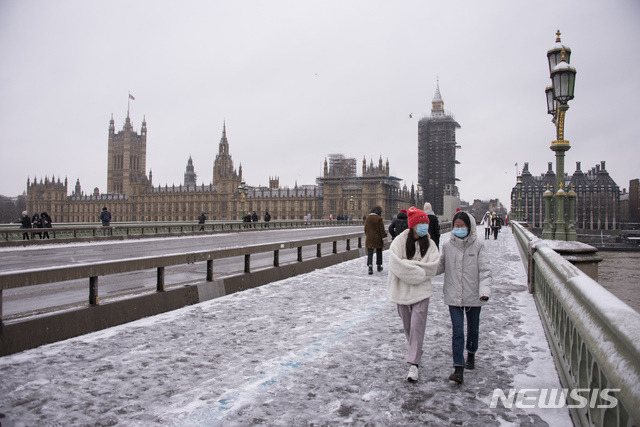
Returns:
point(298, 80)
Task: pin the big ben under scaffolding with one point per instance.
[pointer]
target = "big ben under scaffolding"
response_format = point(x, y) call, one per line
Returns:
point(437, 156)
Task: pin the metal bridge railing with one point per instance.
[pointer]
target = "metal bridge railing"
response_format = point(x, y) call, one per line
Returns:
point(594, 337)
point(91, 271)
point(13, 233)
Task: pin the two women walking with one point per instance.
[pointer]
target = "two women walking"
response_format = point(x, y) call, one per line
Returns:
point(414, 259)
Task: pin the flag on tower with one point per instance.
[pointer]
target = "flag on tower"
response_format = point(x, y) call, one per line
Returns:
point(131, 97)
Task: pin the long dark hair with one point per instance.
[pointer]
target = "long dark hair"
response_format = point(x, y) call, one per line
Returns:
point(411, 244)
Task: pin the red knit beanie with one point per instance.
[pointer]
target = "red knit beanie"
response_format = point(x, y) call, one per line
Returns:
point(416, 216)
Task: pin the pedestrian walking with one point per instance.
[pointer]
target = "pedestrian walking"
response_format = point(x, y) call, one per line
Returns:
point(434, 224)
point(487, 225)
point(201, 220)
point(36, 222)
point(399, 224)
point(254, 219)
point(46, 223)
point(496, 225)
point(374, 237)
point(25, 223)
point(413, 261)
point(267, 218)
point(467, 287)
point(105, 217)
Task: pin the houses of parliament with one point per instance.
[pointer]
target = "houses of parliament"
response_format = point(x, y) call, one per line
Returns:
point(131, 195)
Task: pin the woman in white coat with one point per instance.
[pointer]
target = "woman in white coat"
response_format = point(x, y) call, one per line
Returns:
point(467, 287)
point(413, 261)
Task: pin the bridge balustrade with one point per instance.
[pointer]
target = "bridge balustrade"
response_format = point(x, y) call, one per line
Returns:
point(594, 337)
point(92, 271)
point(95, 230)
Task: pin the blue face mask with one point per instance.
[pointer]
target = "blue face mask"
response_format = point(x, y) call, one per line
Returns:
point(422, 229)
point(460, 232)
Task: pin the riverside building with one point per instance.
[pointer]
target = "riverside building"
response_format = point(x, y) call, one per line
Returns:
point(597, 200)
point(131, 195)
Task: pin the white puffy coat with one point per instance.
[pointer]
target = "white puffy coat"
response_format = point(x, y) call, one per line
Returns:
point(409, 280)
point(466, 268)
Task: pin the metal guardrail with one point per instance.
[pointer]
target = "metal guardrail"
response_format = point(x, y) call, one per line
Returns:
point(594, 337)
point(13, 233)
point(92, 271)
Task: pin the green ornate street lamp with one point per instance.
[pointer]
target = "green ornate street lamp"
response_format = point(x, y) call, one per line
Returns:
point(558, 95)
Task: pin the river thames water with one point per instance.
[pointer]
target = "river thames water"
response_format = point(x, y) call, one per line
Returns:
point(619, 272)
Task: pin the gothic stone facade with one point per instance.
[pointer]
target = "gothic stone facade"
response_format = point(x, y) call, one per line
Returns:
point(597, 201)
point(131, 195)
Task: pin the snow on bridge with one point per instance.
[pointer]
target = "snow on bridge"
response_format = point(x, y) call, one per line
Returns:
point(321, 348)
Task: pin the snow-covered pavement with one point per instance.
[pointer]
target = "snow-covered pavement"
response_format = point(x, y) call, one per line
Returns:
point(324, 348)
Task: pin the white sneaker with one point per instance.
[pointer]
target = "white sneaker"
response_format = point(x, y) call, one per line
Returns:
point(413, 374)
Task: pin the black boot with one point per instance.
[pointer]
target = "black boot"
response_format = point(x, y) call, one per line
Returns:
point(370, 269)
point(458, 374)
point(471, 361)
point(379, 268)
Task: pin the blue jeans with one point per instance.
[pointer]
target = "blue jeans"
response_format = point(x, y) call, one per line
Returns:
point(473, 330)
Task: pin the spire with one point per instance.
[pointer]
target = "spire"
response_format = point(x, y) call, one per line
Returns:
point(437, 105)
point(437, 97)
point(224, 144)
point(143, 130)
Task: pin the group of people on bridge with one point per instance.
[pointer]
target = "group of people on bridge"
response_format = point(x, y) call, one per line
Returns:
point(492, 224)
point(42, 220)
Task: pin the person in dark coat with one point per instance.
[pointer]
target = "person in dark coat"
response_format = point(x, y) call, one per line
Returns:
point(496, 224)
point(267, 218)
point(201, 220)
point(25, 223)
point(375, 233)
point(399, 224)
point(254, 218)
point(46, 223)
point(434, 224)
point(36, 222)
point(105, 217)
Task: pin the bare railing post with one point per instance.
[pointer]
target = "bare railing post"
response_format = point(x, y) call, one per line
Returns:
point(299, 253)
point(247, 263)
point(335, 247)
point(209, 270)
point(93, 290)
point(318, 250)
point(276, 258)
point(160, 281)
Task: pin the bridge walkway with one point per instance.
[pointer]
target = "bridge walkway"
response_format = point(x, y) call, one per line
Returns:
point(323, 348)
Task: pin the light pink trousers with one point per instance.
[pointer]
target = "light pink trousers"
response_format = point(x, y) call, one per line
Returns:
point(414, 320)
